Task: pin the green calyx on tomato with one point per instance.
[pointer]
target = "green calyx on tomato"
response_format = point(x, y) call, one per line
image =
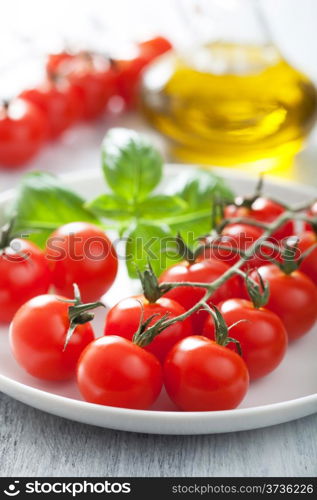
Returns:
point(221, 328)
point(142, 336)
point(184, 251)
point(79, 313)
point(150, 284)
point(187, 254)
point(6, 234)
point(290, 261)
point(258, 292)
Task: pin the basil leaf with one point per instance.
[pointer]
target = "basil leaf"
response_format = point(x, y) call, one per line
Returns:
point(111, 206)
point(147, 242)
point(197, 187)
point(42, 204)
point(131, 165)
point(192, 225)
point(160, 206)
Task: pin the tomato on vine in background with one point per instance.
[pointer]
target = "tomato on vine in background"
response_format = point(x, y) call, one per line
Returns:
point(23, 130)
point(81, 253)
point(59, 101)
point(54, 61)
point(312, 212)
point(24, 273)
point(48, 334)
point(129, 69)
point(93, 77)
point(154, 47)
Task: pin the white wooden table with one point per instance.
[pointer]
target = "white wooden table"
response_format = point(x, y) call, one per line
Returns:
point(33, 443)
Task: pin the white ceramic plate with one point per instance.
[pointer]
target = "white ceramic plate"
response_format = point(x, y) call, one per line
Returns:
point(286, 394)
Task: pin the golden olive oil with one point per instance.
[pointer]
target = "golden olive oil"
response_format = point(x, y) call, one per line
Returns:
point(230, 104)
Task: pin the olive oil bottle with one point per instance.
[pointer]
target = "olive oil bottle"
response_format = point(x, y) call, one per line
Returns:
point(230, 104)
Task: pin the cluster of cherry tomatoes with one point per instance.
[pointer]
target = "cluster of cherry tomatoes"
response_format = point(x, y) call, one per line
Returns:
point(196, 358)
point(78, 86)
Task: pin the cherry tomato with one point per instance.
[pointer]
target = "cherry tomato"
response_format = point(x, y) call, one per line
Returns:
point(124, 319)
point(200, 375)
point(94, 78)
point(154, 47)
point(128, 78)
point(81, 253)
point(55, 61)
point(236, 236)
point(60, 103)
point(312, 212)
point(24, 273)
point(205, 271)
point(293, 298)
point(262, 335)
point(37, 336)
point(263, 210)
point(23, 130)
point(309, 265)
point(113, 371)
point(129, 70)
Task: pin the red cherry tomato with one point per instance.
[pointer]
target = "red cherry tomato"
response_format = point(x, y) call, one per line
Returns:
point(24, 273)
point(154, 47)
point(262, 335)
point(60, 103)
point(129, 70)
point(124, 319)
point(94, 79)
point(309, 265)
point(312, 212)
point(113, 371)
point(23, 130)
point(128, 78)
point(237, 236)
point(205, 271)
point(292, 297)
point(37, 336)
point(200, 375)
point(263, 210)
point(81, 253)
point(55, 61)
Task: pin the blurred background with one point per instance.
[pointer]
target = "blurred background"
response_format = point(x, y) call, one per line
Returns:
point(32, 30)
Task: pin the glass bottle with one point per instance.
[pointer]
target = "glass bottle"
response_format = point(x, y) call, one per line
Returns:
point(228, 97)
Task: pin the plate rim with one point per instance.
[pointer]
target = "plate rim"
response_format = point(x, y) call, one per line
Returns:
point(310, 398)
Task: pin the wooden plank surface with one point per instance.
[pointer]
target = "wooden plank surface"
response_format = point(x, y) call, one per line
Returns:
point(33, 443)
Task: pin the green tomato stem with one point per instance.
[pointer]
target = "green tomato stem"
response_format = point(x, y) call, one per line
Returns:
point(152, 331)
